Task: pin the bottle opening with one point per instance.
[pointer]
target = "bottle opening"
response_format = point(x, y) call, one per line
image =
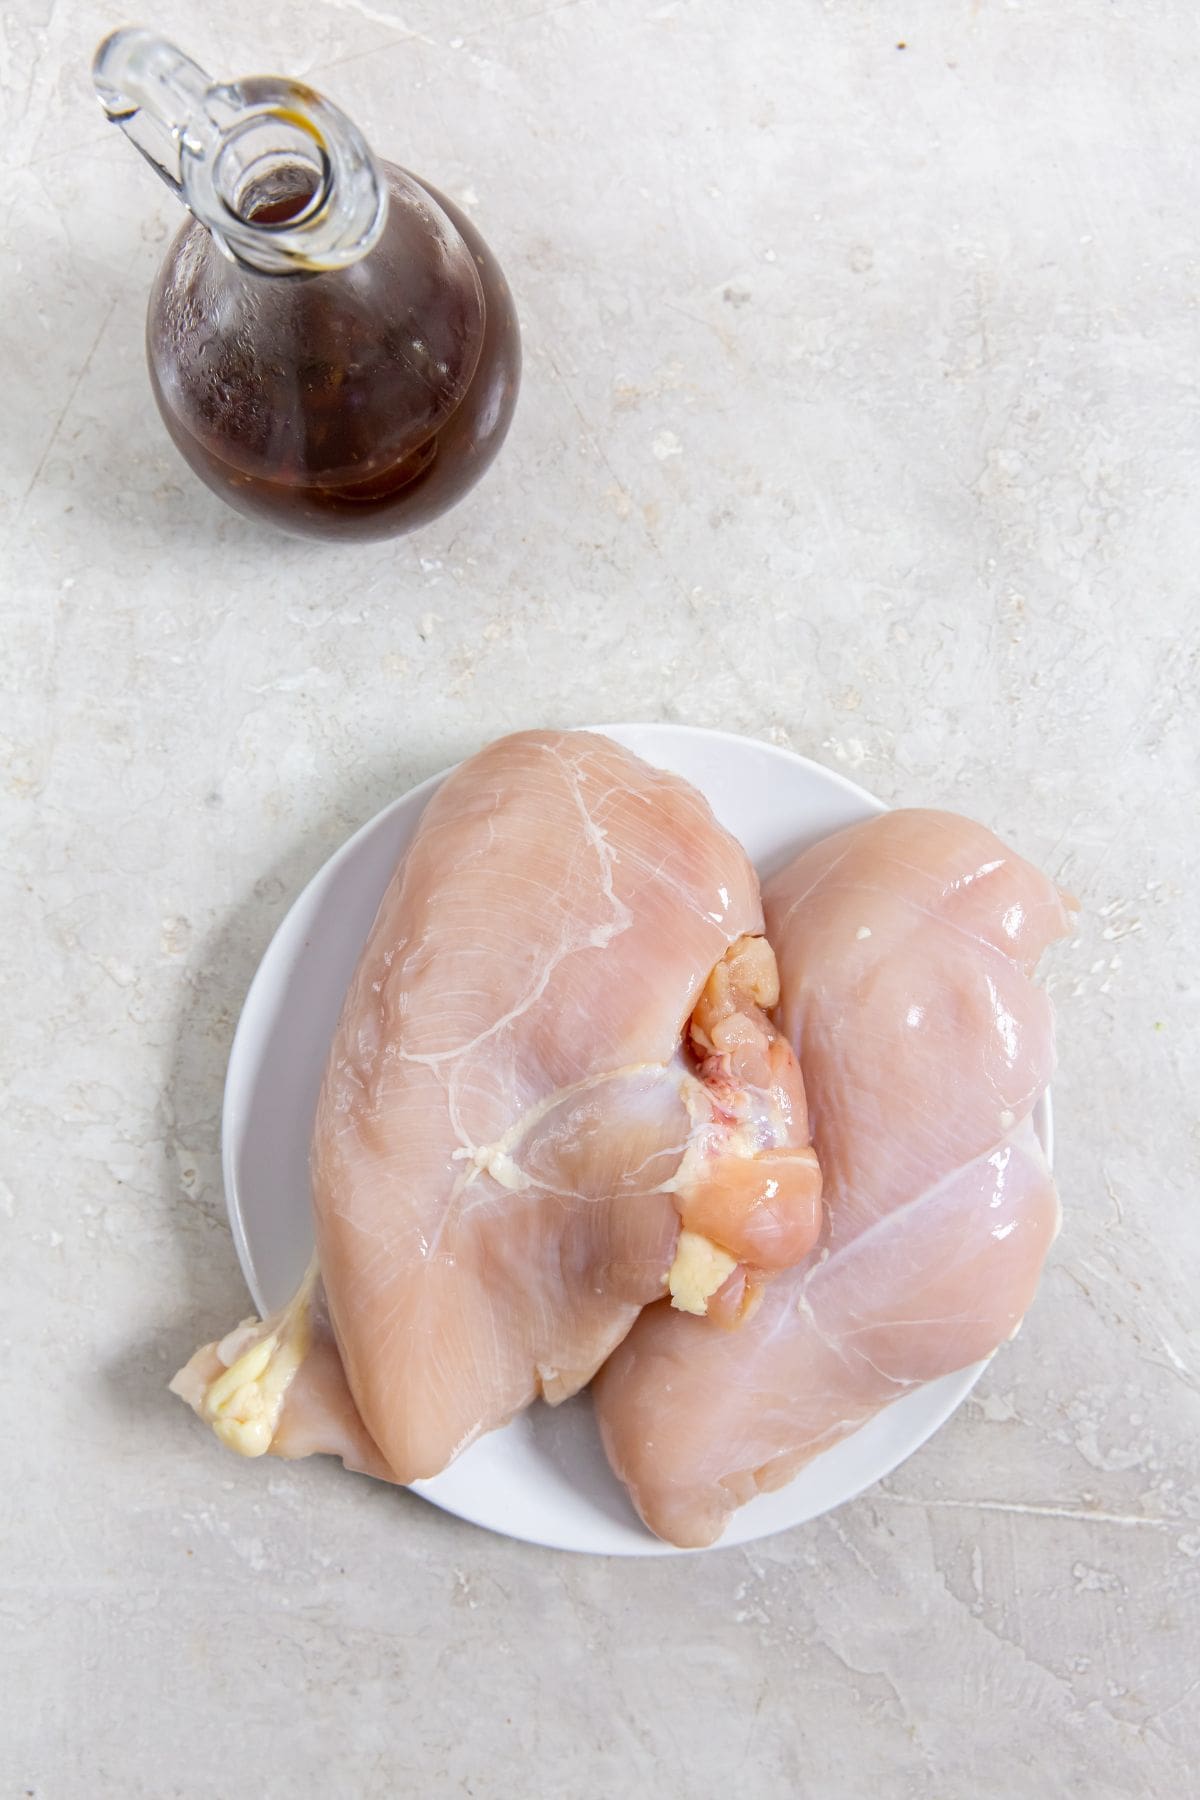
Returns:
point(270, 171)
point(285, 193)
point(283, 199)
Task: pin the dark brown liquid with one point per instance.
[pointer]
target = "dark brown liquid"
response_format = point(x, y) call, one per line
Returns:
point(350, 405)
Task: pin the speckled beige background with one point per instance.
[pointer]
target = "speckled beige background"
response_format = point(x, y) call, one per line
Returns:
point(860, 413)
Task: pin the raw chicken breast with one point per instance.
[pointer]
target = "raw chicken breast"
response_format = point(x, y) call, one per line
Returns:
point(554, 1053)
point(906, 948)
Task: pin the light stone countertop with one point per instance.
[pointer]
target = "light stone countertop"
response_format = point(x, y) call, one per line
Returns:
point(861, 414)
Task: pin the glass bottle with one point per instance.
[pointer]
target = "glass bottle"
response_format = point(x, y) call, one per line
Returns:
point(332, 345)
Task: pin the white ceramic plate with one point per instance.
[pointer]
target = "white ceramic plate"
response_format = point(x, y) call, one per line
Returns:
point(544, 1477)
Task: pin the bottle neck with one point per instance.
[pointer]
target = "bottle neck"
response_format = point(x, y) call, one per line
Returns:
point(283, 180)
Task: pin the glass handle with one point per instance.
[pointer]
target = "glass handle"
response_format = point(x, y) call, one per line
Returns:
point(153, 92)
point(225, 148)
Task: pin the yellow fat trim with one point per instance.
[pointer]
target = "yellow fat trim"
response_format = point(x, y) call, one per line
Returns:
point(699, 1269)
point(244, 1402)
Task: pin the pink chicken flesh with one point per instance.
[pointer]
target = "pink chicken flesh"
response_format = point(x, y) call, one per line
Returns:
point(906, 948)
point(555, 1054)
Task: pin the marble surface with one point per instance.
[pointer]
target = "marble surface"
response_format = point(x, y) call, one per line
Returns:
point(860, 413)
